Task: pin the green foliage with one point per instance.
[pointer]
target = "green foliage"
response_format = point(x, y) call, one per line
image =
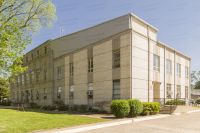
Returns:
point(177, 102)
point(150, 107)
point(197, 101)
point(19, 19)
point(4, 88)
point(75, 107)
point(136, 107)
point(52, 108)
point(120, 108)
point(95, 110)
point(83, 107)
point(195, 79)
point(33, 105)
point(6, 103)
point(59, 102)
point(63, 107)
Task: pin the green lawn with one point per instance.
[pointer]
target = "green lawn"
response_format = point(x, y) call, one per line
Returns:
point(12, 121)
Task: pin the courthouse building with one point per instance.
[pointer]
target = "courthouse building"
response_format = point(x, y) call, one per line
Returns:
point(117, 59)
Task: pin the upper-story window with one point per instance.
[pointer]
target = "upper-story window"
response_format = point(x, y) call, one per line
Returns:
point(169, 92)
point(90, 65)
point(45, 93)
point(18, 81)
point(178, 70)
point(186, 72)
point(71, 69)
point(116, 89)
point(116, 59)
point(156, 62)
point(26, 59)
point(45, 74)
point(22, 79)
point(38, 75)
point(45, 50)
point(32, 77)
point(178, 90)
point(27, 78)
point(38, 53)
point(31, 56)
point(59, 73)
point(168, 67)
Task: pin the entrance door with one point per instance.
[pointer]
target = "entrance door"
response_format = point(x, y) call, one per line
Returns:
point(156, 92)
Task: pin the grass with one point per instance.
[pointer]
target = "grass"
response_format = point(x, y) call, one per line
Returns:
point(12, 121)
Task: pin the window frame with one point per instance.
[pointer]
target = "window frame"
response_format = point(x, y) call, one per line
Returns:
point(178, 89)
point(71, 69)
point(59, 73)
point(71, 93)
point(119, 89)
point(90, 65)
point(168, 89)
point(22, 79)
point(38, 75)
point(178, 70)
point(116, 59)
point(32, 77)
point(45, 75)
point(156, 67)
point(168, 67)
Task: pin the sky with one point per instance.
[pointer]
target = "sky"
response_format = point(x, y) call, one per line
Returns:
point(178, 21)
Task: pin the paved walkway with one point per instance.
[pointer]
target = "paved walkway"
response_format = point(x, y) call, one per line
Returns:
point(184, 123)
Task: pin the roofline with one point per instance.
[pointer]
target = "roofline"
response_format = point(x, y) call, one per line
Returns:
point(92, 26)
point(38, 46)
point(143, 21)
point(173, 49)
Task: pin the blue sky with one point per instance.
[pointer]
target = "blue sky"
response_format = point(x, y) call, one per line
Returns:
point(178, 21)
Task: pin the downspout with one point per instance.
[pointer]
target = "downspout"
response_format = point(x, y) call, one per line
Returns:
point(148, 62)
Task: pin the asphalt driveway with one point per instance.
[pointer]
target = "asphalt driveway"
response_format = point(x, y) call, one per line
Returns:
point(184, 123)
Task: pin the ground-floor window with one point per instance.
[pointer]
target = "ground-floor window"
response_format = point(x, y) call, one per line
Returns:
point(169, 91)
point(186, 92)
point(45, 93)
point(90, 91)
point(37, 93)
point(178, 90)
point(59, 92)
point(116, 89)
point(71, 91)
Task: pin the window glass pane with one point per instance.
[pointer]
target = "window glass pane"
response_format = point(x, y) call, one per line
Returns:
point(71, 88)
point(116, 96)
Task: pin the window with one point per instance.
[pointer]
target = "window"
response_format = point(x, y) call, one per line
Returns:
point(22, 94)
point(178, 89)
point(45, 50)
point(59, 73)
point(186, 72)
point(26, 59)
point(31, 94)
point(13, 95)
point(58, 92)
point(156, 63)
point(32, 77)
point(38, 93)
point(31, 56)
point(45, 93)
point(90, 65)
point(38, 75)
point(90, 91)
point(45, 74)
point(116, 89)
point(22, 80)
point(26, 78)
point(18, 81)
point(116, 59)
point(18, 95)
point(71, 69)
point(169, 92)
point(71, 91)
point(186, 92)
point(178, 70)
point(38, 53)
point(168, 67)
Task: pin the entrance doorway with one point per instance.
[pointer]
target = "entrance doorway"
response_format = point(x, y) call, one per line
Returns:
point(156, 91)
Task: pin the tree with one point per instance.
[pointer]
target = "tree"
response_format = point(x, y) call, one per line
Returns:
point(4, 88)
point(195, 78)
point(19, 19)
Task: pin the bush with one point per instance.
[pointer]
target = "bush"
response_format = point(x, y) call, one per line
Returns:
point(120, 108)
point(197, 101)
point(6, 103)
point(44, 107)
point(83, 107)
point(177, 102)
point(95, 110)
point(63, 107)
point(75, 107)
point(59, 102)
point(136, 107)
point(52, 108)
point(150, 107)
point(32, 105)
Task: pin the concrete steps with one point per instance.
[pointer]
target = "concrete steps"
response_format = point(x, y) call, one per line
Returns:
point(166, 109)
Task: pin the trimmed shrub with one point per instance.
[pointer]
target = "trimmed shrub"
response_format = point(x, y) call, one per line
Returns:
point(83, 107)
point(6, 103)
point(136, 107)
point(177, 102)
point(120, 108)
point(59, 102)
point(75, 107)
point(32, 105)
point(52, 108)
point(44, 107)
point(197, 101)
point(150, 107)
point(63, 107)
point(95, 110)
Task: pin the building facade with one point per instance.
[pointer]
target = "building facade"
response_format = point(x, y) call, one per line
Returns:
point(118, 59)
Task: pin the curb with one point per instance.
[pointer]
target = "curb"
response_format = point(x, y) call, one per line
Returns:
point(110, 124)
point(193, 111)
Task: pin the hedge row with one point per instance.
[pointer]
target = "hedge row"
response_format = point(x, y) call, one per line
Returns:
point(177, 102)
point(133, 107)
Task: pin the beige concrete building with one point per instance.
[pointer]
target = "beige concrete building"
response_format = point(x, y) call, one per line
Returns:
point(195, 93)
point(118, 59)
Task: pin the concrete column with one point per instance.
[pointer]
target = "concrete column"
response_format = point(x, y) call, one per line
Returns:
point(148, 62)
point(174, 74)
